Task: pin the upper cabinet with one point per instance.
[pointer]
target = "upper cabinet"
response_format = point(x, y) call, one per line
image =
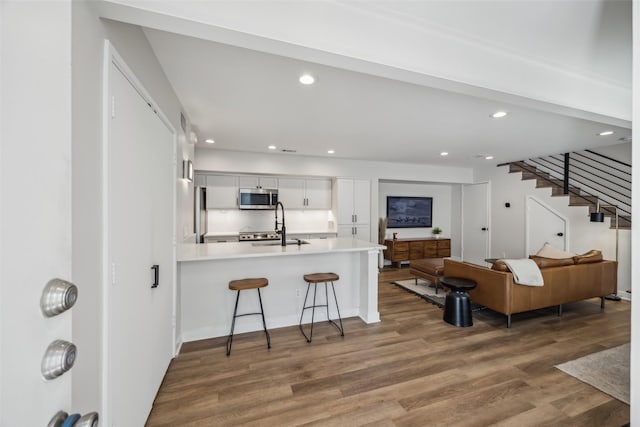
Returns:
point(299, 193)
point(254, 181)
point(222, 192)
point(294, 193)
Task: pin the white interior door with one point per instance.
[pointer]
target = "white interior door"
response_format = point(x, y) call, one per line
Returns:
point(140, 227)
point(35, 204)
point(544, 225)
point(475, 223)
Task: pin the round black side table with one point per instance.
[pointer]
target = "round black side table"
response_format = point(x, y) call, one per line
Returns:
point(457, 304)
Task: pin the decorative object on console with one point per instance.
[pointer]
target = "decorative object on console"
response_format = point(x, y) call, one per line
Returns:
point(436, 232)
point(382, 230)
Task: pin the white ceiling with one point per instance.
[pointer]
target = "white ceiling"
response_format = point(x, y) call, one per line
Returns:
point(247, 99)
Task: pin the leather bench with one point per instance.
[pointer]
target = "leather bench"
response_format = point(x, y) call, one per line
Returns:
point(430, 269)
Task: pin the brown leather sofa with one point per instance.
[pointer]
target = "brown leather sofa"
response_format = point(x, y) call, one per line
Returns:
point(562, 284)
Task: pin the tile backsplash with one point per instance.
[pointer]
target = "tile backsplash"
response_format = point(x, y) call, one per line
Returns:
point(234, 220)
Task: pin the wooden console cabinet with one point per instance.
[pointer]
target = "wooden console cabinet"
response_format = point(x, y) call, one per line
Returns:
point(407, 249)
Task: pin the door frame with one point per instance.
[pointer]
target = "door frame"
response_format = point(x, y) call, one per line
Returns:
point(527, 222)
point(111, 56)
point(462, 207)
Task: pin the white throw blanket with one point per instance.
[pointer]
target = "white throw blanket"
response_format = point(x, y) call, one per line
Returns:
point(525, 272)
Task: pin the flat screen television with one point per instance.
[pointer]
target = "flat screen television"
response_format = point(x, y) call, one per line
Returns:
point(409, 212)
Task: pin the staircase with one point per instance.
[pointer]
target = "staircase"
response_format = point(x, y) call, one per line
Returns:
point(587, 178)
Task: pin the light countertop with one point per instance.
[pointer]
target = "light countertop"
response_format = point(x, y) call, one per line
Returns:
point(230, 250)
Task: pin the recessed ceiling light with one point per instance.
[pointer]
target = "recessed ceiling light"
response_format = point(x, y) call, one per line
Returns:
point(606, 132)
point(488, 157)
point(331, 151)
point(272, 147)
point(209, 141)
point(499, 114)
point(444, 153)
point(307, 79)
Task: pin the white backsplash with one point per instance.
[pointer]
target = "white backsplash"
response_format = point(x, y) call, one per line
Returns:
point(298, 221)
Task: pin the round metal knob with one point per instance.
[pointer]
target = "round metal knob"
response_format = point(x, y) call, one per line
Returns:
point(87, 420)
point(58, 419)
point(57, 297)
point(58, 359)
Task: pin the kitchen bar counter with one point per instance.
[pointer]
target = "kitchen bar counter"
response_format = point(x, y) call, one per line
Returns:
point(206, 303)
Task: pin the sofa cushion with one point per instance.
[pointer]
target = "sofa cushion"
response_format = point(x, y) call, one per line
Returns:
point(544, 262)
point(591, 256)
point(548, 251)
point(434, 266)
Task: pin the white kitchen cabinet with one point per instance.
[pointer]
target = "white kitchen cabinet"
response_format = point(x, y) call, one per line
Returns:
point(361, 231)
point(256, 181)
point(318, 193)
point(353, 210)
point(353, 201)
point(298, 193)
point(222, 192)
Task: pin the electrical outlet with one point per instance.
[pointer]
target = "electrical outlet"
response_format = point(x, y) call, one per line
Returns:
point(297, 292)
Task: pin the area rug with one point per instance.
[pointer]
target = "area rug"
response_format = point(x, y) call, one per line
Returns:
point(607, 370)
point(423, 290)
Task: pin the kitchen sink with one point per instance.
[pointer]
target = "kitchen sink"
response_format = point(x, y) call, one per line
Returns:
point(289, 242)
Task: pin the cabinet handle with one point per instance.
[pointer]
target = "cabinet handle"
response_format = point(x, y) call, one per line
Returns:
point(355, 218)
point(560, 234)
point(156, 273)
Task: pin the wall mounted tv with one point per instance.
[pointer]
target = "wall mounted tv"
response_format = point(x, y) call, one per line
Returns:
point(409, 212)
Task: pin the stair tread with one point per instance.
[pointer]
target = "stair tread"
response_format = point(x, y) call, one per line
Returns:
point(576, 198)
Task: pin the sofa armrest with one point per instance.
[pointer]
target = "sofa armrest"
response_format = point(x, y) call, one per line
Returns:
point(494, 287)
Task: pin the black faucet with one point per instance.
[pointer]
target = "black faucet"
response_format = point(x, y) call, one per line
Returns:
point(283, 232)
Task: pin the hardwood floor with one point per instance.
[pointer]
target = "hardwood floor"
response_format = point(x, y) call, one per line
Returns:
point(411, 369)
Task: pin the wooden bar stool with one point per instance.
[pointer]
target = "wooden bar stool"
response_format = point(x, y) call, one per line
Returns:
point(243, 285)
point(315, 279)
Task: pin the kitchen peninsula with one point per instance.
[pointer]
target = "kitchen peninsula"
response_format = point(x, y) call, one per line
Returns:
point(204, 271)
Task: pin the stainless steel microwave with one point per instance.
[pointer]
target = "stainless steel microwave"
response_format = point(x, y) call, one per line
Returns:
point(257, 198)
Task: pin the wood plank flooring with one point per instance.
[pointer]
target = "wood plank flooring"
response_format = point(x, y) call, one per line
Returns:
point(411, 369)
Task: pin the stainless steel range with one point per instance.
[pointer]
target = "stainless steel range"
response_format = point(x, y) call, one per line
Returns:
point(257, 236)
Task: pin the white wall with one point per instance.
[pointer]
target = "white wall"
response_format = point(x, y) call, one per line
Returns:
point(621, 152)
point(88, 35)
point(508, 231)
point(446, 209)
point(283, 164)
